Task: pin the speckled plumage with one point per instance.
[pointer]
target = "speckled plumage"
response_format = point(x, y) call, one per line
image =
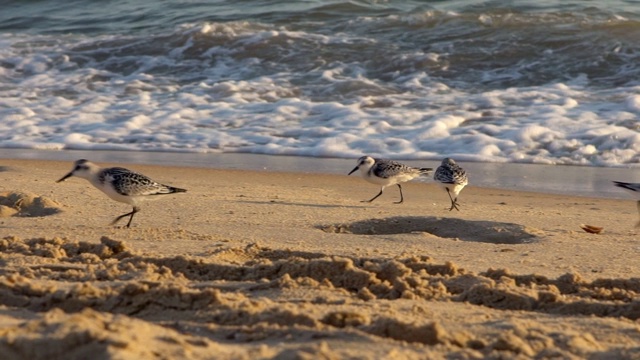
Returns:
point(128, 183)
point(120, 184)
point(387, 172)
point(452, 178)
point(388, 169)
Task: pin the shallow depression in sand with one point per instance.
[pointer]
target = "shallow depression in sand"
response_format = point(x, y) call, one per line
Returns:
point(466, 230)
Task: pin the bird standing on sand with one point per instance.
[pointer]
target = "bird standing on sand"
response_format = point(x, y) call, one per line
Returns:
point(452, 178)
point(635, 189)
point(120, 184)
point(386, 173)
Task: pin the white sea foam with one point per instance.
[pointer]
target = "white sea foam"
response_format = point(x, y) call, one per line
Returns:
point(544, 125)
point(230, 87)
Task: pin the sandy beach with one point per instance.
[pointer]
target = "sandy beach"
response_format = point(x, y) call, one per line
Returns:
point(267, 264)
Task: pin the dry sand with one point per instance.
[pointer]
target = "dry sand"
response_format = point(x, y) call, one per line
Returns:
point(261, 265)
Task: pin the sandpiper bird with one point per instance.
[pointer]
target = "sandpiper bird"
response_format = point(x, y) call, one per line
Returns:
point(452, 178)
point(386, 173)
point(120, 184)
point(635, 189)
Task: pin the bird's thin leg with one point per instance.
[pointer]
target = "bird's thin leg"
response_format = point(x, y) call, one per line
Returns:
point(401, 197)
point(454, 202)
point(638, 224)
point(135, 210)
point(375, 197)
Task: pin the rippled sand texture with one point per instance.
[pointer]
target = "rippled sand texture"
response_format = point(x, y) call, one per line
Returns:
point(107, 298)
point(257, 265)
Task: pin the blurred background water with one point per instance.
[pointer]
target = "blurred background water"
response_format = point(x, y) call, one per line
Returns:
point(545, 82)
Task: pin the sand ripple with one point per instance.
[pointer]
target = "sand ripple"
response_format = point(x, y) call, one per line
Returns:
point(109, 299)
point(19, 203)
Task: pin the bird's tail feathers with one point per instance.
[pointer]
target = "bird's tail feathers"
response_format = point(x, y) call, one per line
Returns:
point(425, 171)
point(625, 185)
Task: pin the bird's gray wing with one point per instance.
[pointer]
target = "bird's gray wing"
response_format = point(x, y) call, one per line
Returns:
point(129, 183)
point(388, 168)
point(444, 174)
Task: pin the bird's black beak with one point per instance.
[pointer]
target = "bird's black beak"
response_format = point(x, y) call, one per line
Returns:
point(354, 170)
point(65, 177)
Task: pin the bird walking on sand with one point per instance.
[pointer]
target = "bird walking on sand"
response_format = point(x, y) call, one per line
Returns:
point(452, 178)
point(386, 173)
point(635, 189)
point(120, 184)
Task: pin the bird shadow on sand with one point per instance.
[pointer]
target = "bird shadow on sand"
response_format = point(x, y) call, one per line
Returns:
point(452, 228)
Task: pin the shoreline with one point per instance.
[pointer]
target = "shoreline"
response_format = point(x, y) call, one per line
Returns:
point(225, 194)
point(549, 179)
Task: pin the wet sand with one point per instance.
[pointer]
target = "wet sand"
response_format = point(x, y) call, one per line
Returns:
point(255, 264)
point(564, 180)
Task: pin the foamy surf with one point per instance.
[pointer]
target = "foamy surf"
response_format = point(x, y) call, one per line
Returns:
point(520, 84)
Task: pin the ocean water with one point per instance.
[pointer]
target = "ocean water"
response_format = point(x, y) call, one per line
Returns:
point(545, 82)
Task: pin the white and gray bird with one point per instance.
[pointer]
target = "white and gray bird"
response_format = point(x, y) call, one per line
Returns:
point(633, 188)
point(386, 173)
point(120, 184)
point(452, 178)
